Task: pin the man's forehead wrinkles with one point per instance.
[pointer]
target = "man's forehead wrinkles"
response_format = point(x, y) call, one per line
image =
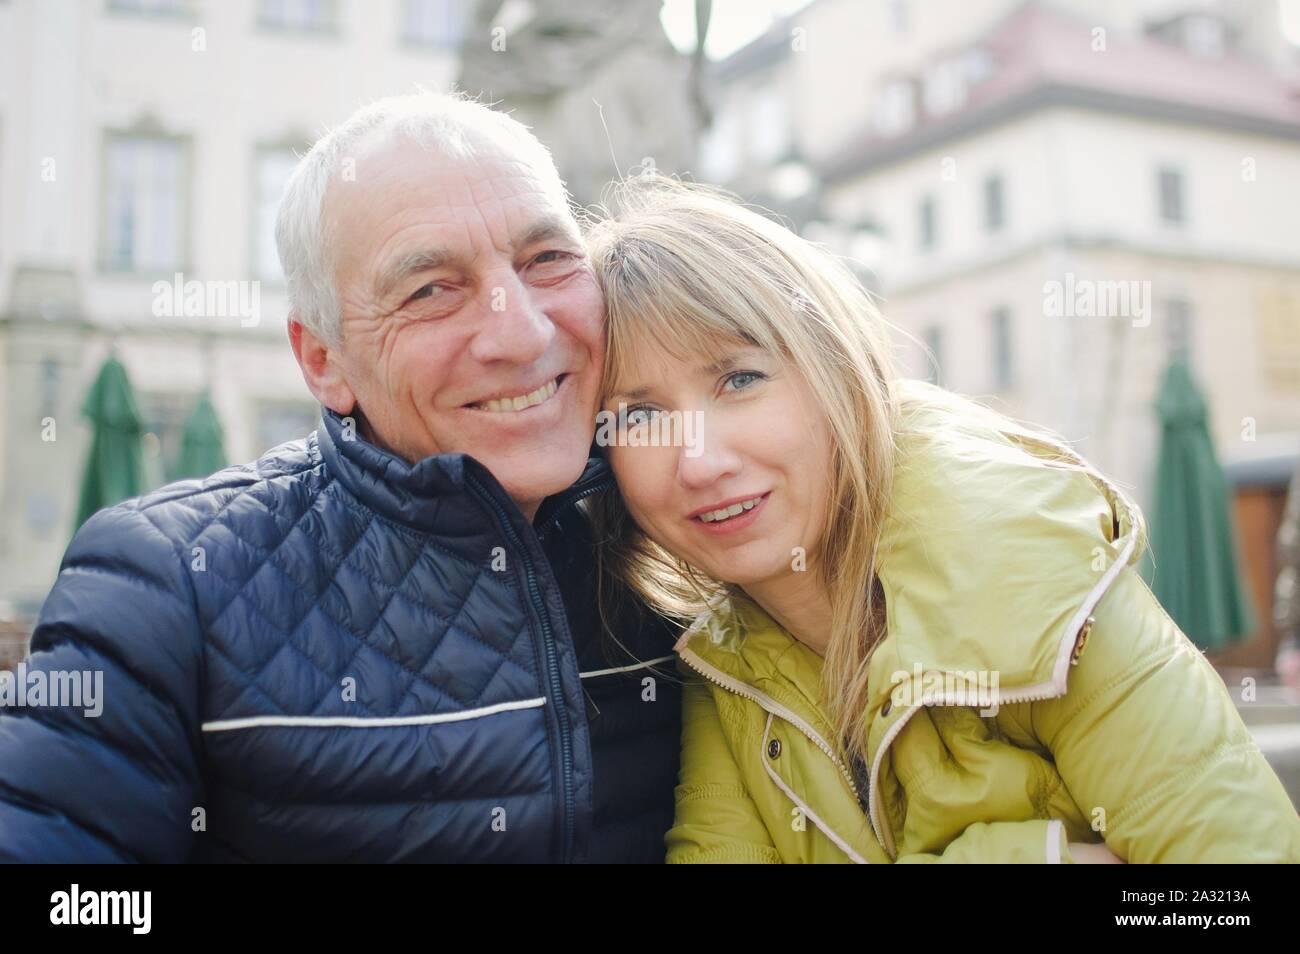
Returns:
point(513, 224)
point(468, 210)
point(494, 195)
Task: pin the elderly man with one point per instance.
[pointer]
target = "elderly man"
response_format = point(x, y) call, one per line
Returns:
point(380, 643)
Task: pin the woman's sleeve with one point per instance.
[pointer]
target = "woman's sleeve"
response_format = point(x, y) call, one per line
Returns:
point(1152, 749)
point(1032, 842)
point(716, 820)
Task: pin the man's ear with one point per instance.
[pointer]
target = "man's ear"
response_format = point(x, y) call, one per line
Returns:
point(320, 368)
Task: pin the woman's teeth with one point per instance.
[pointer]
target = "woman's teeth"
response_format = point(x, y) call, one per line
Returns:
point(726, 513)
point(523, 400)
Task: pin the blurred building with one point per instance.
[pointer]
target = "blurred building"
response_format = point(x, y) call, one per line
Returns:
point(141, 140)
point(989, 164)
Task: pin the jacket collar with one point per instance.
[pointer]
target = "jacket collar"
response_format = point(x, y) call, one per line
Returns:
point(738, 644)
point(432, 495)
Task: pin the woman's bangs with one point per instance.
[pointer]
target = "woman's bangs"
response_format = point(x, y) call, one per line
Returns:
point(666, 324)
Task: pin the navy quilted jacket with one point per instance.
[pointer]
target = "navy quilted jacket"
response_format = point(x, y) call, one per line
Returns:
point(332, 655)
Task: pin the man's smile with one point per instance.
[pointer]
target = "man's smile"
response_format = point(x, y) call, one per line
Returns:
point(510, 404)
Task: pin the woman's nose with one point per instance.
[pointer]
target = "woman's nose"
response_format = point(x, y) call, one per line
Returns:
point(707, 461)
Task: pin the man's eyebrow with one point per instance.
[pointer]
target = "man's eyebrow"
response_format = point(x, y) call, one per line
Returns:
point(412, 263)
point(549, 227)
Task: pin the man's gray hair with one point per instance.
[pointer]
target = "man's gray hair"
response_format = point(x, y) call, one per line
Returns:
point(449, 123)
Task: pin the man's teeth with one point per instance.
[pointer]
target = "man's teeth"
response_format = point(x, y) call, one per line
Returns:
point(523, 400)
point(727, 512)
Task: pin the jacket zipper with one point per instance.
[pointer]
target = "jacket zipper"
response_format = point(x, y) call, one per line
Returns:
point(601, 481)
point(556, 690)
point(770, 705)
point(570, 502)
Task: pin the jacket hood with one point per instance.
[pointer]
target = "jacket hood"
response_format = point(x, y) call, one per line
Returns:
point(993, 555)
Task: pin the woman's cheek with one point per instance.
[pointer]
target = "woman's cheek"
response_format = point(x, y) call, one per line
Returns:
point(637, 488)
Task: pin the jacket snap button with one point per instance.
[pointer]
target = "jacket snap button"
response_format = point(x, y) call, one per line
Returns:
point(889, 704)
point(773, 748)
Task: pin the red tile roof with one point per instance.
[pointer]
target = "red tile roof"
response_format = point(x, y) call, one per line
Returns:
point(1038, 49)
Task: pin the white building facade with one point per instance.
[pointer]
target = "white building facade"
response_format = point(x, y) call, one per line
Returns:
point(991, 164)
point(145, 139)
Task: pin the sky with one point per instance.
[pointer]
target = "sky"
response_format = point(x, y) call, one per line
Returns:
point(1291, 20)
point(734, 22)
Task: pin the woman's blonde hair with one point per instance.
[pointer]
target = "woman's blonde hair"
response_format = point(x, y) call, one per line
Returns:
point(683, 266)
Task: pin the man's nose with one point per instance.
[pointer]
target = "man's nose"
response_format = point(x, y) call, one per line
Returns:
point(511, 327)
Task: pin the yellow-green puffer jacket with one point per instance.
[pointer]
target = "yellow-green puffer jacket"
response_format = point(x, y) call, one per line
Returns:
point(1109, 725)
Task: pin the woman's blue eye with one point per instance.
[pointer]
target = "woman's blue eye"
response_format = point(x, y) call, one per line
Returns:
point(747, 377)
point(637, 416)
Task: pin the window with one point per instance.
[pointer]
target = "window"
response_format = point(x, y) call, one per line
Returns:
point(898, 16)
point(273, 168)
point(163, 7)
point(994, 216)
point(895, 107)
point(300, 15)
point(933, 338)
point(1178, 329)
point(945, 87)
point(51, 387)
point(1205, 35)
point(926, 223)
point(720, 150)
point(144, 216)
point(1278, 337)
point(977, 66)
point(1172, 211)
point(164, 414)
point(435, 23)
point(1003, 357)
point(769, 130)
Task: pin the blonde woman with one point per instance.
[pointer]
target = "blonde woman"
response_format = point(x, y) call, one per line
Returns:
point(917, 634)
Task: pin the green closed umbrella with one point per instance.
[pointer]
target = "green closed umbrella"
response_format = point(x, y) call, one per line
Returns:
point(115, 469)
point(1195, 566)
point(203, 444)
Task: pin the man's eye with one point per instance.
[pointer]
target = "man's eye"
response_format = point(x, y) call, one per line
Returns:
point(552, 263)
point(425, 291)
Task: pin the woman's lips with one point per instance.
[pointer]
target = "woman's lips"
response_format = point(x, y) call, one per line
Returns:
point(732, 524)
